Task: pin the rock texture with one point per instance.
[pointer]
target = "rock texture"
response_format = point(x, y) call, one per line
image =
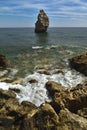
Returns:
point(42, 23)
point(79, 63)
point(67, 111)
point(3, 61)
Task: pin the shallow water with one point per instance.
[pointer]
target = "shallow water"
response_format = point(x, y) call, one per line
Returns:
point(29, 53)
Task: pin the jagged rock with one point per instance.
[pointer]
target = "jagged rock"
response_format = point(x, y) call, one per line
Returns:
point(79, 63)
point(4, 94)
point(82, 112)
point(42, 23)
point(12, 113)
point(3, 61)
point(71, 98)
point(67, 110)
point(44, 119)
point(70, 121)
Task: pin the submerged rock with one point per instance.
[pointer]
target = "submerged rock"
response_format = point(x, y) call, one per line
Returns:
point(79, 63)
point(42, 23)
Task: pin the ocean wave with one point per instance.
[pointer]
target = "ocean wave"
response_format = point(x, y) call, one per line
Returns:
point(37, 47)
point(36, 92)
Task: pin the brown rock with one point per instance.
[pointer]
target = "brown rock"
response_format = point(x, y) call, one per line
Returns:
point(82, 112)
point(79, 63)
point(3, 61)
point(12, 113)
point(42, 23)
point(4, 94)
point(70, 121)
point(71, 98)
point(44, 119)
point(44, 72)
point(18, 81)
point(33, 81)
point(6, 79)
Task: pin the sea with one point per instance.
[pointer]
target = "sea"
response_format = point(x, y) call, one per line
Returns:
point(41, 57)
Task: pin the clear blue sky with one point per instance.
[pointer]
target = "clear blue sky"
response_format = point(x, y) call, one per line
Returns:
point(61, 13)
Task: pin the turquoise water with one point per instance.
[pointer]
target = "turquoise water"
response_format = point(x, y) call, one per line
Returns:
point(27, 50)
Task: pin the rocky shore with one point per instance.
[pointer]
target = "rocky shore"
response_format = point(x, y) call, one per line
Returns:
point(66, 111)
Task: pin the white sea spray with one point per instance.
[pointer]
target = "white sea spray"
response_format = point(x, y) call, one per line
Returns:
point(36, 92)
point(37, 47)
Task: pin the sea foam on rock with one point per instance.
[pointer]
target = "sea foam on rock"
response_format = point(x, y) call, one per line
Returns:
point(32, 87)
point(64, 111)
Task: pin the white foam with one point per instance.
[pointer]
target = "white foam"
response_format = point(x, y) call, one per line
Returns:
point(37, 47)
point(36, 92)
point(4, 72)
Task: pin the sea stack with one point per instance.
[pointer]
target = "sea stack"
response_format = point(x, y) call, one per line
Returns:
point(42, 22)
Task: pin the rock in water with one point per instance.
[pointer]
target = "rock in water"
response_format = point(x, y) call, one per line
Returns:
point(42, 23)
point(79, 63)
point(3, 61)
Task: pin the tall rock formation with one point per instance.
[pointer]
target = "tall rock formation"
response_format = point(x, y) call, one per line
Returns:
point(42, 23)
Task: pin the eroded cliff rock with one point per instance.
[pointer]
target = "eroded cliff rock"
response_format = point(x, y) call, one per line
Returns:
point(42, 22)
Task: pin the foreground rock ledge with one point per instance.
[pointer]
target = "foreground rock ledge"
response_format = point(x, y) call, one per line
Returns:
point(79, 63)
point(67, 111)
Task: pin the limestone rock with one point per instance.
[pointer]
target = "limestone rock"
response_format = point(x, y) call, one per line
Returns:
point(3, 61)
point(44, 119)
point(70, 121)
point(79, 63)
point(18, 81)
point(67, 110)
point(42, 23)
point(73, 99)
point(6, 79)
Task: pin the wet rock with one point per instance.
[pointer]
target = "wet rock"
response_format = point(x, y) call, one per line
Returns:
point(3, 62)
point(15, 90)
point(44, 72)
point(82, 112)
point(33, 81)
point(70, 98)
point(6, 121)
point(12, 113)
point(6, 79)
point(79, 63)
point(54, 87)
point(42, 23)
point(44, 119)
point(66, 111)
point(6, 94)
point(59, 72)
point(18, 81)
point(70, 121)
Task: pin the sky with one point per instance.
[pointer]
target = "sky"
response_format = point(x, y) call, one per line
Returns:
point(61, 13)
